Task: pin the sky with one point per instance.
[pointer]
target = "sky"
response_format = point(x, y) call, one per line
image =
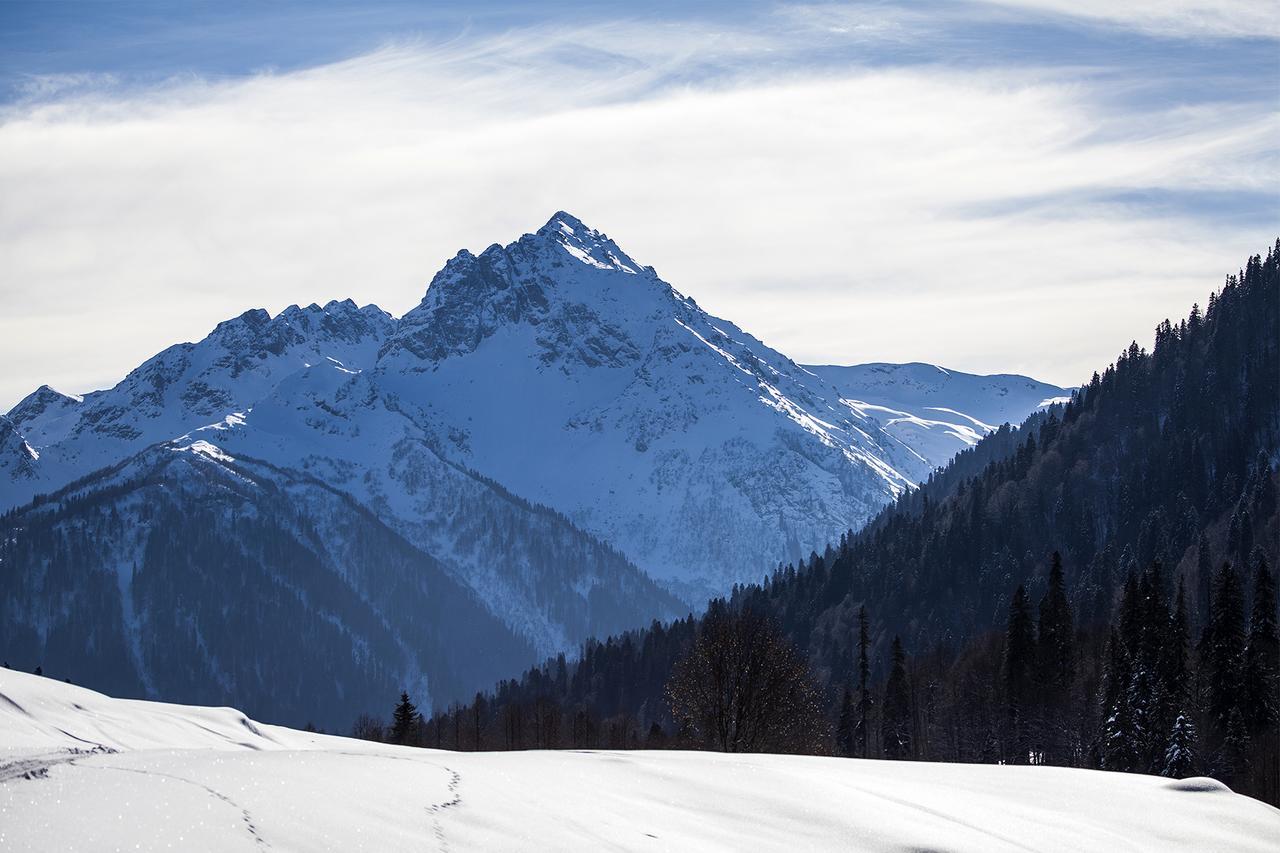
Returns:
point(991, 185)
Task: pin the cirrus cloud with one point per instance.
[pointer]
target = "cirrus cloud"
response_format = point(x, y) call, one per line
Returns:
point(988, 219)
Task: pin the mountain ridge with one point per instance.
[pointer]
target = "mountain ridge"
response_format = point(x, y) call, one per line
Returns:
point(635, 405)
point(555, 429)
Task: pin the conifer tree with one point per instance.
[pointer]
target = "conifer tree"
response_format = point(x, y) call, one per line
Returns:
point(896, 717)
point(1055, 667)
point(1233, 764)
point(1120, 735)
point(1224, 655)
point(1262, 656)
point(1204, 572)
point(1180, 758)
point(1056, 642)
point(846, 726)
point(865, 699)
point(1019, 663)
point(1174, 675)
point(404, 721)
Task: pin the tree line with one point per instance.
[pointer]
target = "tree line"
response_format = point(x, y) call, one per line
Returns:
point(945, 630)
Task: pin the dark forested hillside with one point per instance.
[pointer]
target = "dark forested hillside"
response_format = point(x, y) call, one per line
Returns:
point(1163, 455)
point(185, 577)
point(1141, 517)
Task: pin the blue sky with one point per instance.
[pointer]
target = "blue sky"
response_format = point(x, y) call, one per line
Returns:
point(996, 186)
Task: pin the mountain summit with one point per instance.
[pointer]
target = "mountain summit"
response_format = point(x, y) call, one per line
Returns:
point(568, 372)
point(554, 444)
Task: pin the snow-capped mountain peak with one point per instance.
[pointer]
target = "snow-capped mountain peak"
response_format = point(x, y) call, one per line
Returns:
point(565, 370)
point(561, 283)
point(587, 245)
point(554, 429)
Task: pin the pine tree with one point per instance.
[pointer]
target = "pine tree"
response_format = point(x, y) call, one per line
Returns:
point(404, 721)
point(1262, 656)
point(1019, 663)
point(1056, 642)
point(1234, 762)
point(1204, 572)
point(1120, 735)
point(1055, 667)
point(1149, 635)
point(1180, 758)
point(1174, 663)
point(1224, 656)
point(846, 726)
point(895, 720)
point(865, 700)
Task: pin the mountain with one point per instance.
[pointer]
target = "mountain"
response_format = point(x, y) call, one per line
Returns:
point(934, 411)
point(566, 371)
point(573, 374)
point(183, 387)
point(1137, 515)
point(184, 573)
point(555, 435)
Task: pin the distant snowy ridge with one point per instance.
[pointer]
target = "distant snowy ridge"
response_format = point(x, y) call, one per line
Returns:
point(937, 412)
point(81, 771)
point(184, 387)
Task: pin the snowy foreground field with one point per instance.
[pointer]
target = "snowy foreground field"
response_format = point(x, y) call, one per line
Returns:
point(81, 771)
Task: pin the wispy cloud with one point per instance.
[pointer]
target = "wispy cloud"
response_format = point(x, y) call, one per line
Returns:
point(842, 210)
point(1172, 18)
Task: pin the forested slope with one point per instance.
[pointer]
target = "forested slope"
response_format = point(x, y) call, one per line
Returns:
point(1155, 490)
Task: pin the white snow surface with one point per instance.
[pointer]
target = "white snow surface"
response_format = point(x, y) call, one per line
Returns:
point(82, 771)
point(936, 412)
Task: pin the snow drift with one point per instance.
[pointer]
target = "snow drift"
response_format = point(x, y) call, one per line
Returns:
point(79, 770)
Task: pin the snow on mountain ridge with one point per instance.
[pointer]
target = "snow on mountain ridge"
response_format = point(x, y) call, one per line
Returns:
point(612, 397)
point(335, 425)
point(571, 374)
point(935, 412)
point(186, 385)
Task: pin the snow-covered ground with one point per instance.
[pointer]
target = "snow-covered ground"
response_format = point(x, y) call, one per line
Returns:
point(82, 771)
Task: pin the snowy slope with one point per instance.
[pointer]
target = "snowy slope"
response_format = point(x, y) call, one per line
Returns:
point(82, 771)
point(191, 573)
point(181, 388)
point(547, 579)
point(186, 574)
point(934, 411)
point(577, 377)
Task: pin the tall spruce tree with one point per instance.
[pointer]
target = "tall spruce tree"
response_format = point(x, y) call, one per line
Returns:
point(846, 725)
point(1225, 649)
point(1262, 655)
point(1055, 670)
point(404, 721)
point(1180, 759)
point(1120, 734)
point(865, 700)
point(1056, 641)
point(1174, 662)
point(1019, 668)
point(895, 716)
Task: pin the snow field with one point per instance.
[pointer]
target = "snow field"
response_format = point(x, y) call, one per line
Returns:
point(81, 771)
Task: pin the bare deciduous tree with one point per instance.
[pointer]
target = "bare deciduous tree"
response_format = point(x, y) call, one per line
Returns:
point(743, 687)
